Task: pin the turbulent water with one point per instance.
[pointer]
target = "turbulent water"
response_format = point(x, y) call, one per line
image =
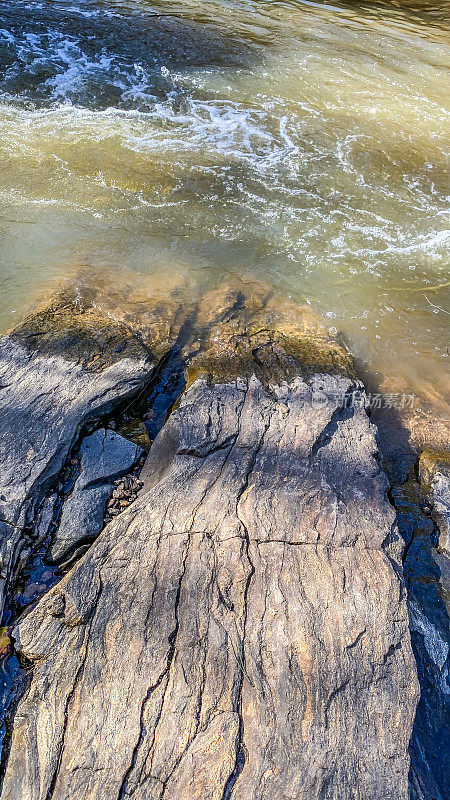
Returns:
point(301, 143)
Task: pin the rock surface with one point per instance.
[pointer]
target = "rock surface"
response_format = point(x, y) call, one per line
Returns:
point(57, 370)
point(241, 630)
point(427, 572)
point(435, 477)
point(104, 457)
point(424, 575)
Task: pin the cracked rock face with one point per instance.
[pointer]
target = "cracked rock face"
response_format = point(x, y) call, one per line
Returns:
point(104, 457)
point(56, 372)
point(240, 632)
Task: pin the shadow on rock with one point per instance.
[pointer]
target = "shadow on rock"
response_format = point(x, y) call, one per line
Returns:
point(429, 621)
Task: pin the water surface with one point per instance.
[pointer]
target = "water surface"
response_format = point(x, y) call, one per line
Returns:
point(302, 143)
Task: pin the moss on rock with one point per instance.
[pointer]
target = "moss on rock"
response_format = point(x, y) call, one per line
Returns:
point(431, 462)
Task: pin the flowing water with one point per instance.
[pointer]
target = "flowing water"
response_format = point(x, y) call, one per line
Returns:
point(298, 142)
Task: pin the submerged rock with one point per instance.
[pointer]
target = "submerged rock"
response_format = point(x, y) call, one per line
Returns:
point(104, 457)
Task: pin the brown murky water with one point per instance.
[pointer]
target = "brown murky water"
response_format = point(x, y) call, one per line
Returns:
point(301, 143)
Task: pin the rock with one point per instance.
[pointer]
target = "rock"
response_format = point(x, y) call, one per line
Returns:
point(247, 328)
point(434, 469)
point(241, 630)
point(5, 642)
point(11, 546)
point(424, 574)
point(442, 560)
point(45, 517)
point(60, 368)
point(57, 606)
point(104, 457)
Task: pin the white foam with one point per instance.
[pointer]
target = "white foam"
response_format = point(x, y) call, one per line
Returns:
point(77, 76)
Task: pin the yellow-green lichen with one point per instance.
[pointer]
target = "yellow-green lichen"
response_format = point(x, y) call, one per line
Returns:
point(430, 462)
point(85, 336)
point(272, 355)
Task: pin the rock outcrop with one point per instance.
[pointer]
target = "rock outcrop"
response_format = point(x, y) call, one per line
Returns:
point(435, 477)
point(58, 370)
point(240, 631)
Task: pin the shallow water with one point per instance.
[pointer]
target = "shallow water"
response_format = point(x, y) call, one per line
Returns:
point(302, 143)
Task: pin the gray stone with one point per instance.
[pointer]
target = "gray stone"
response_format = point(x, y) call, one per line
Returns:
point(241, 630)
point(434, 469)
point(45, 517)
point(104, 457)
point(47, 392)
point(440, 501)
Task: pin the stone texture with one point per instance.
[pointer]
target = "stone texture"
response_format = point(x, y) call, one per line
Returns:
point(434, 471)
point(240, 632)
point(59, 369)
point(104, 457)
point(440, 500)
point(95, 344)
point(427, 576)
point(44, 518)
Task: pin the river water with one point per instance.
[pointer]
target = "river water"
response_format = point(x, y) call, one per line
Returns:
point(301, 143)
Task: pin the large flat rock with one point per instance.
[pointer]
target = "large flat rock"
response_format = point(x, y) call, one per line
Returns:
point(240, 632)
